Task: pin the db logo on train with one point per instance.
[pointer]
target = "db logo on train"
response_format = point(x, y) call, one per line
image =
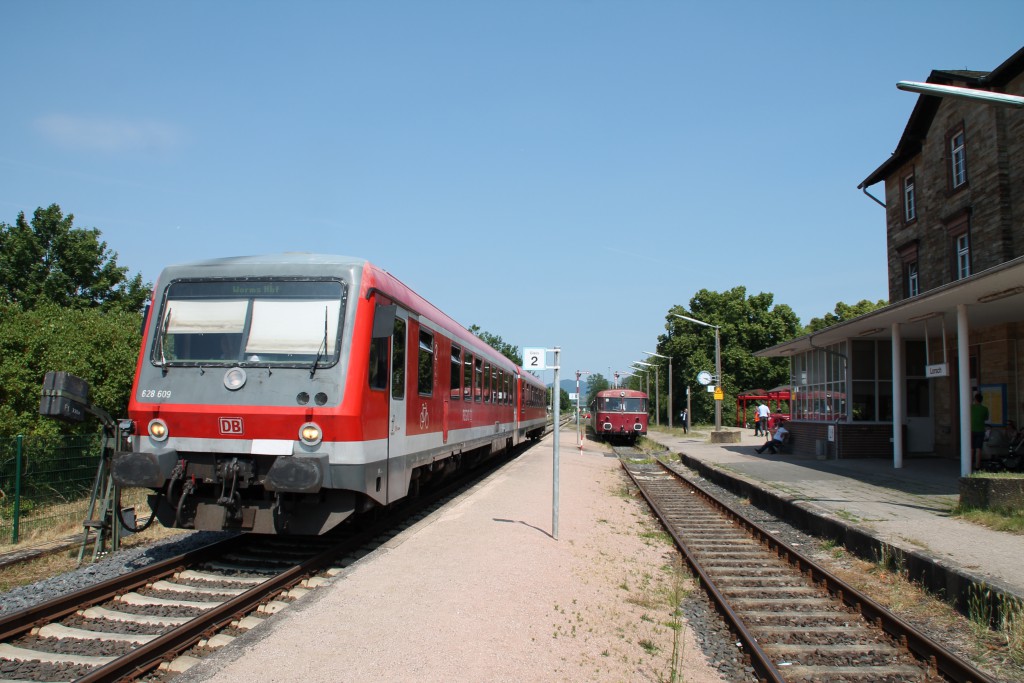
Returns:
point(231, 425)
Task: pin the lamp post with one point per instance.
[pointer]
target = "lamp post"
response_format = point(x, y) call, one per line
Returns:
point(647, 375)
point(657, 390)
point(578, 423)
point(652, 353)
point(718, 366)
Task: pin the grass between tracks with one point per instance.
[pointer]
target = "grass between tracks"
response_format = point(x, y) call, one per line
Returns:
point(1000, 650)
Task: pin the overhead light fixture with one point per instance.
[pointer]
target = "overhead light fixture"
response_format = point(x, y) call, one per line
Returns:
point(926, 316)
point(996, 296)
point(868, 333)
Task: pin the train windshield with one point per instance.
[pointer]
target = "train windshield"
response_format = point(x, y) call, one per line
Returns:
point(635, 405)
point(621, 404)
point(250, 322)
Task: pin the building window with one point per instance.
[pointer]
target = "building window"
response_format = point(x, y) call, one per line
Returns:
point(871, 370)
point(819, 384)
point(909, 203)
point(963, 256)
point(958, 159)
point(913, 282)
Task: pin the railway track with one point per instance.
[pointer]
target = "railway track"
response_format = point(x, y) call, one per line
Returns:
point(793, 619)
point(125, 627)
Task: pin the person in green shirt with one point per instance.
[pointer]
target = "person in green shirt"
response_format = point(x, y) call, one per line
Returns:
point(979, 416)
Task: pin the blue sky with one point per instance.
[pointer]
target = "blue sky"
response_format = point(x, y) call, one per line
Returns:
point(558, 173)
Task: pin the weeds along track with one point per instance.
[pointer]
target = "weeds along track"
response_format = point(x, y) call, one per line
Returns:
point(793, 619)
point(158, 621)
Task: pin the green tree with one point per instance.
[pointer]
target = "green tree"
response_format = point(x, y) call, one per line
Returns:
point(843, 312)
point(595, 383)
point(498, 344)
point(51, 260)
point(564, 403)
point(99, 346)
point(746, 324)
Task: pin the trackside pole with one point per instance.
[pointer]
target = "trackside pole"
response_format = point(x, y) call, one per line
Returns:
point(535, 358)
point(557, 396)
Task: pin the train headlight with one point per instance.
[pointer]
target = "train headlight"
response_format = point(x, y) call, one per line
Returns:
point(310, 434)
point(158, 430)
point(234, 379)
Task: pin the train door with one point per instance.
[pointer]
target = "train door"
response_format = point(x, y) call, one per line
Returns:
point(517, 391)
point(398, 438)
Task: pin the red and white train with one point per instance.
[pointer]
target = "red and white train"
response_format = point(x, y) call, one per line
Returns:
point(285, 393)
point(619, 414)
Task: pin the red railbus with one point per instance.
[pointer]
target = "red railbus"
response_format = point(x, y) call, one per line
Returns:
point(620, 415)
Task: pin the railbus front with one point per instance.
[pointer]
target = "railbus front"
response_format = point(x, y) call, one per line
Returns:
point(620, 415)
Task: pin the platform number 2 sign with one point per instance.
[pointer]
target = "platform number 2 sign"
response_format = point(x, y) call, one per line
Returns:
point(534, 359)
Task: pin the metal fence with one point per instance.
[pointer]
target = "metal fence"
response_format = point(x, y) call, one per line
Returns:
point(45, 483)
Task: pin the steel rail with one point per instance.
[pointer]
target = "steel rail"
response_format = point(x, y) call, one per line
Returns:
point(149, 655)
point(759, 659)
point(23, 621)
point(924, 648)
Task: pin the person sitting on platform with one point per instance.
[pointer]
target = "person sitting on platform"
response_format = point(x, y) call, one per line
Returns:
point(774, 445)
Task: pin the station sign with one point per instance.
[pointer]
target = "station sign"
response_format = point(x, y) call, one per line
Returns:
point(938, 370)
point(535, 358)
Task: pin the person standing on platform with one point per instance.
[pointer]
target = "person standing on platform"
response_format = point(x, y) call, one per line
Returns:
point(684, 420)
point(761, 426)
point(979, 416)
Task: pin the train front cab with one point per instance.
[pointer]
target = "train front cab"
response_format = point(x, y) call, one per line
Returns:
point(620, 415)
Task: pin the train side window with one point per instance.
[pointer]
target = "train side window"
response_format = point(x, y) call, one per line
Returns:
point(500, 398)
point(486, 383)
point(426, 364)
point(398, 360)
point(455, 382)
point(378, 374)
point(467, 377)
point(478, 374)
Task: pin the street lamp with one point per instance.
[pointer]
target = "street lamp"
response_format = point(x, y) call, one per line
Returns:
point(652, 353)
point(647, 375)
point(963, 93)
point(578, 426)
point(718, 366)
point(657, 390)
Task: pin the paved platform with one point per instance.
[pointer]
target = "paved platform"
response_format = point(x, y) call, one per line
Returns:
point(906, 508)
point(481, 591)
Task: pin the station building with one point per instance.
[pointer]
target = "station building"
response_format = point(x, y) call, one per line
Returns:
point(898, 382)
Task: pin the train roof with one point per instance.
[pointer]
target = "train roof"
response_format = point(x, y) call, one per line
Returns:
point(292, 258)
point(296, 262)
point(622, 393)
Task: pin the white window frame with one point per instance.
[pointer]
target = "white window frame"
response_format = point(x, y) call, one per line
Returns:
point(958, 159)
point(909, 206)
point(913, 279)
point(963, 256)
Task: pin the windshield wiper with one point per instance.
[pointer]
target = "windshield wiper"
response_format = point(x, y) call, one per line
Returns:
point(163, 335)
point(322, 351)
